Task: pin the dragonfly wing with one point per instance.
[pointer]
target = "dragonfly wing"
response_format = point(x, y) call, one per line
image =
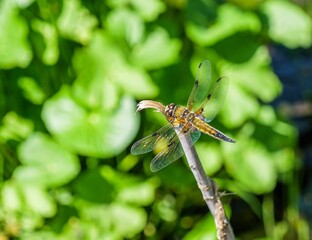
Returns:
point(201, 85)
point(149, 143)
point(168, 155)
point(171, 153)
point(214, 100)
point(195, 136)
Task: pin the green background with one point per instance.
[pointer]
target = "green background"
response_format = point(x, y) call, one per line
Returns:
point(71, 74)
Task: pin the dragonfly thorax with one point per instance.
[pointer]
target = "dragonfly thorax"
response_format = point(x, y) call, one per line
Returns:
point(174, 111)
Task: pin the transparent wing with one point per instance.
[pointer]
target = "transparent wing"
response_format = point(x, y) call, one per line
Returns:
point(171, 152)
point(214, 100)
point(201, 85)
point(148, 144)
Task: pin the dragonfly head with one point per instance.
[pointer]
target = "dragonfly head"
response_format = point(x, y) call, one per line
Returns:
point(170, 109)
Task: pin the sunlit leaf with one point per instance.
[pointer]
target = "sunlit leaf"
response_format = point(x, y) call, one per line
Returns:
point(135, 81)
point(92, 133)
point(11, 196)
point(267, 115)
point(158, 50)
point(138, 193)
point(15, 127)
point(204, 229)
point(115, 219)
point(117, 3)
point(45, 162)
point(250, 160)
point(31, 90)
point(125, 24)
point(128, 220)
point(39, 200)
point(285, 160)
point(24, 3)
point(232, 113)
point(148, 10)
point(103, 61)
point(288, 23)
point(51, 53)
point(129, 189)
point(38, 235)
point(15, 50)
point(256, 76)
point(76, 22)
point(166, 208)
point(128, 163)
point(20, 196)
point(230, 20)
point(210, 157)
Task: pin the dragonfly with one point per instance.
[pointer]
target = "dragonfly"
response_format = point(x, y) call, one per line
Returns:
point(204, 103)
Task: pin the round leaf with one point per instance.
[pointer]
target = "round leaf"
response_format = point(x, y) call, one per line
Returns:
point(157, 51)
point(288, 24)
point(14, 48)
point(45, 162)
point(93, 133)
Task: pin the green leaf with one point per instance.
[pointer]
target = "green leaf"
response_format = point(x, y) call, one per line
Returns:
point(288, 23)
point(148, 10)
point(75, 22)
point(238, 114)
point(256, 76)
point(135, 81)
point(250, 160)
point(15, 50)
point(39, 235)
point(105, 190)
point(38, 200)
point(90, 132)
point(51, 52)
point(209, 155)
point(201, 12)
point(21, 196)
point(115, 220)
point(95, 69)
point(230, 20)
point(11, 196)
point(124, 24)
point(204, 229)
point(128, 220)
point(130, 189)
point(157, 51)
point(137, 193)
point(45, 162)
point(15, 127)
point(31, 90)
point(229, 50)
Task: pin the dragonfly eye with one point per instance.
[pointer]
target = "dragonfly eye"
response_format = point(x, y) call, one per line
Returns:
point(169, 109)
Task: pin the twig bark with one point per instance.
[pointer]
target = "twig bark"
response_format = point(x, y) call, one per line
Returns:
point(208, 188)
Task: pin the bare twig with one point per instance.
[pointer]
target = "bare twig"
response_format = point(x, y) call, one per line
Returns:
point(208, 188)
point(206, 185)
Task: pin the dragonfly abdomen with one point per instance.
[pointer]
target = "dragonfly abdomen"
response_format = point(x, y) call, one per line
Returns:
point(204, 127)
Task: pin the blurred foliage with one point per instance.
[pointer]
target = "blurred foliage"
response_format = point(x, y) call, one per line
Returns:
point(70, 75)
